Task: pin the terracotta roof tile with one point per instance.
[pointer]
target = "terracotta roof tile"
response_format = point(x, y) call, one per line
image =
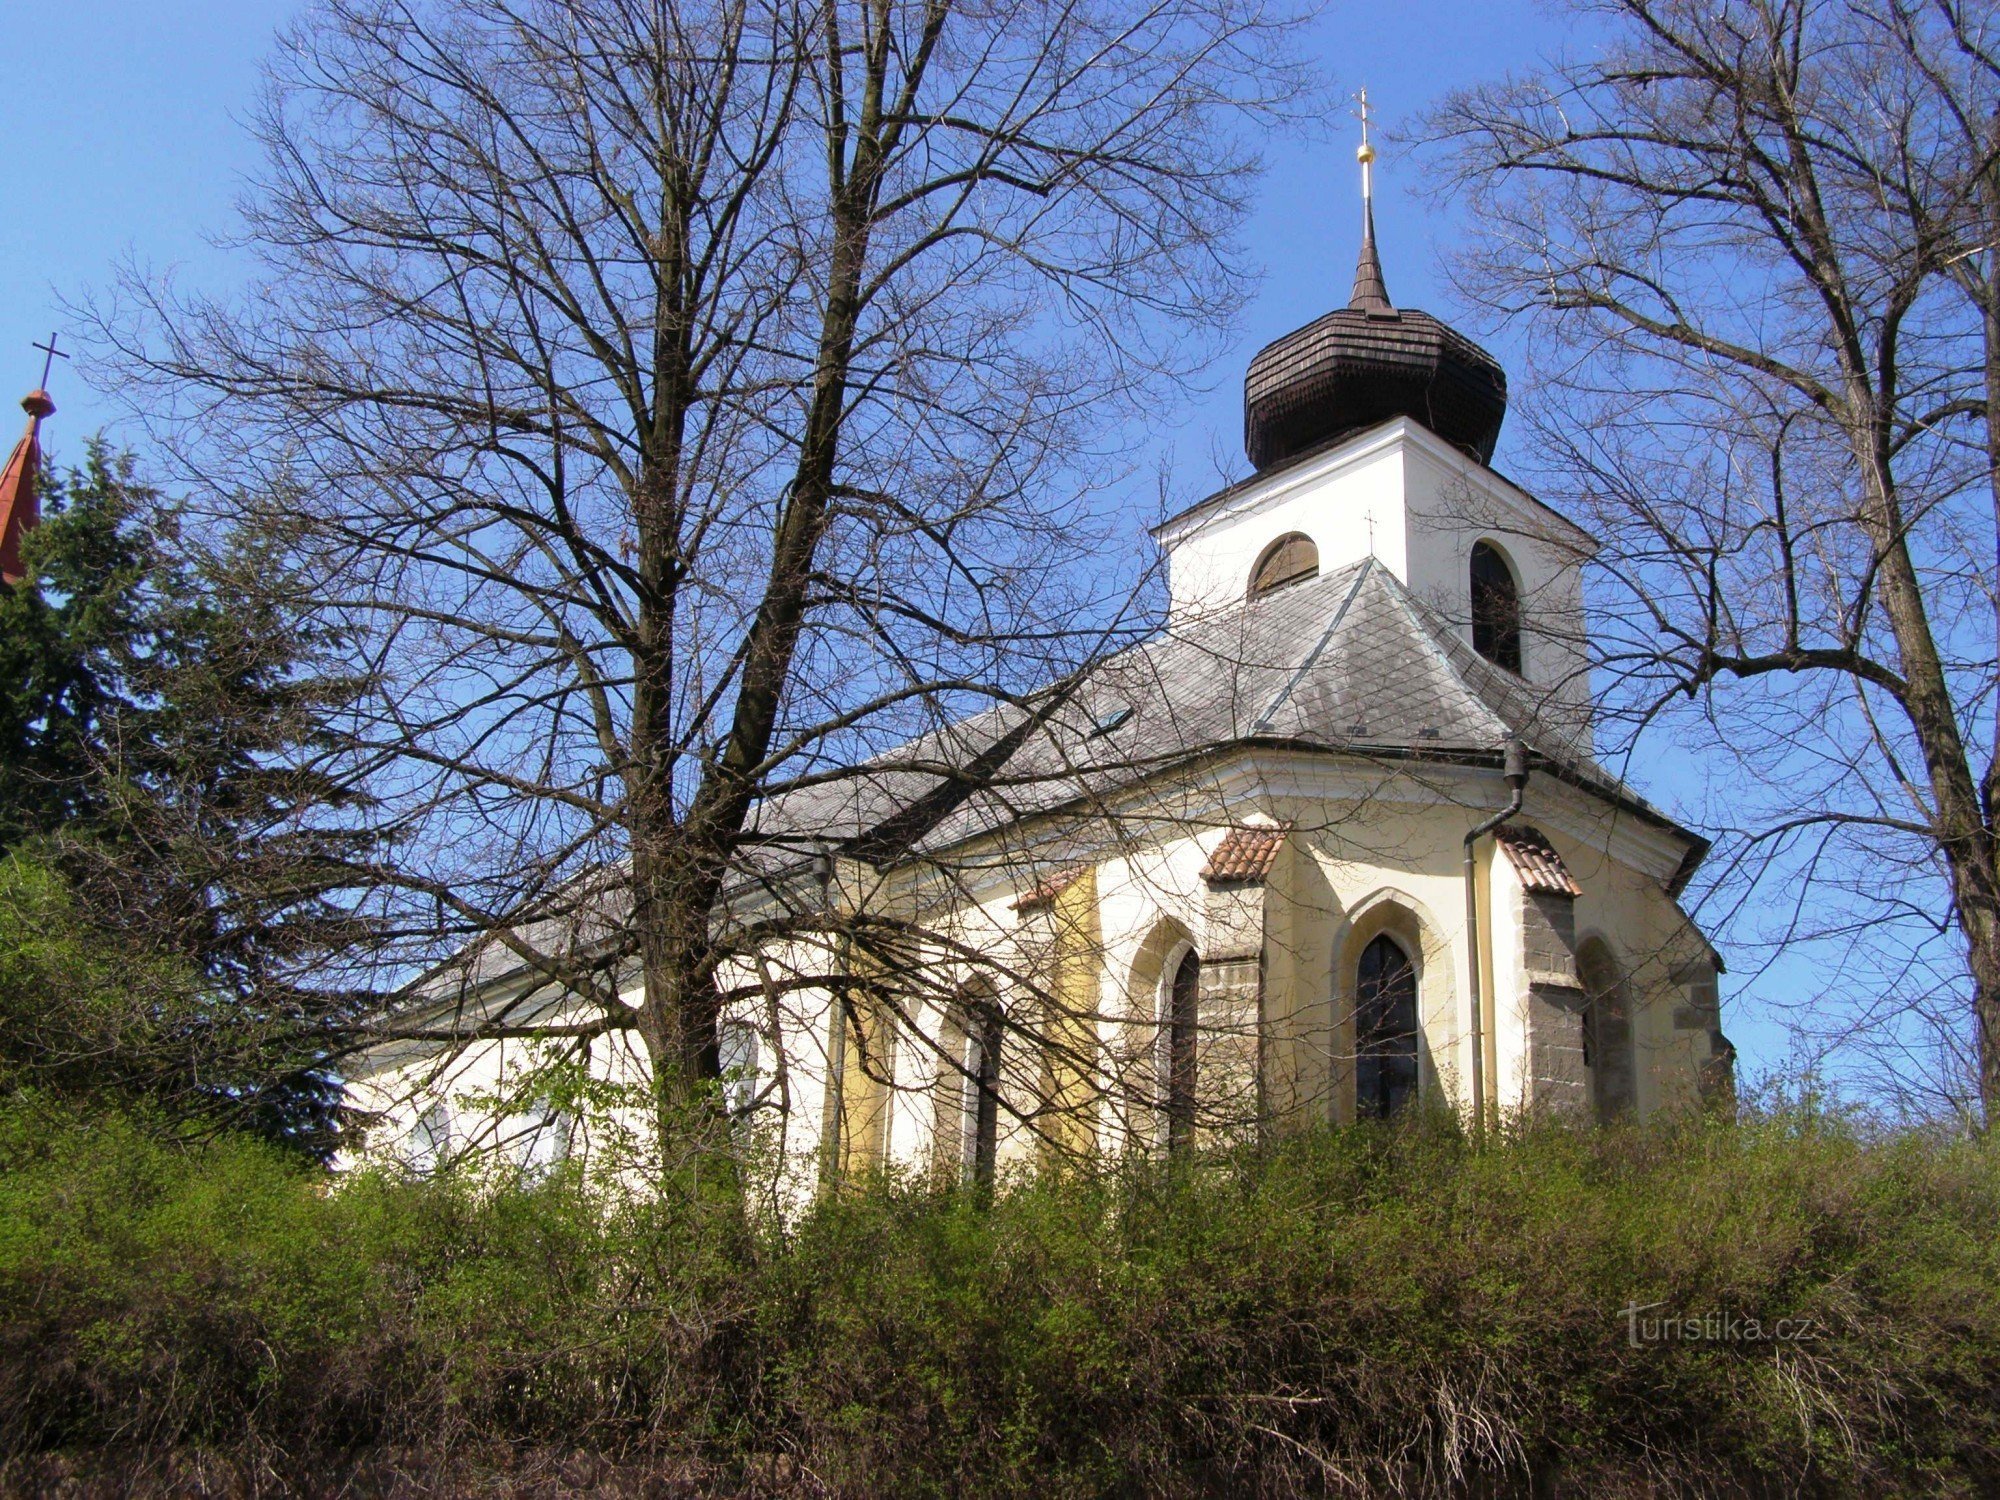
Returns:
point(1044, 891)
point(1535, 860)
point(1246, 854)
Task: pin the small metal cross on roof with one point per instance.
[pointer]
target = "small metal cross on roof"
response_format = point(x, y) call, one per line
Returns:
point(54, 354)
point(1366, 154)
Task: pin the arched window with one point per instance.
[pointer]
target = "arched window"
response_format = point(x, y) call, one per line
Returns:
point(738, 1055)
point(1496, 608)
point(968, 1088)
point(541, 1140)
point(1181, 1007)
point(982, 1070)
point(1607, 1032)
point(429, 1142)
point(1292, 558)
point(1385, 1026)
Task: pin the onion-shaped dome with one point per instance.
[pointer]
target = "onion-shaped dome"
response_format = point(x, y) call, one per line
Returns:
point(1364, 364)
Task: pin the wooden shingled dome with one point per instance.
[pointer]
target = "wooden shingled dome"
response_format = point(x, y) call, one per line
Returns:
point(1366, 363)
point(1352, 369)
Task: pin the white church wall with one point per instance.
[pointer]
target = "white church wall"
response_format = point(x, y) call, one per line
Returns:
point(1349, 501)
point(480, 1089)
point(1452, 504)
point(1372, 848)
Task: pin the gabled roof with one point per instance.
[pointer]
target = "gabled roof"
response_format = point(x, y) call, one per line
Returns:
point(1246, 855)
point(1350, 662)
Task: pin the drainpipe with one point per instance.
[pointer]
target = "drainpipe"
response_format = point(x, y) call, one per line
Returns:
point(833, 1114)
point(1514, 766)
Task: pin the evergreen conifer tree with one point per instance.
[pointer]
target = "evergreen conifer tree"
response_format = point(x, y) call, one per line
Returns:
point(168, 721)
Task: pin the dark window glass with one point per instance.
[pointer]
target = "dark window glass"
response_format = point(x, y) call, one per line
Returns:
point(1385, 1024)
point(1607, 1032)
point(982, 1066)
point(1290, 559)
point(1183, 1006)
point(1496, 609)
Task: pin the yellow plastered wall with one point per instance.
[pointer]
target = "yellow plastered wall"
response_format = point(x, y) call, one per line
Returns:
point(867, 1050)
point(1069, 1081)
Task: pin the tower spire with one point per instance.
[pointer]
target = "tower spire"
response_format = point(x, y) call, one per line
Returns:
point(1371, 293)
point(20, 507)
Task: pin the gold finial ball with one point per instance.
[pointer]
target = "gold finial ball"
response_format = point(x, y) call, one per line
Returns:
point(1364, 154)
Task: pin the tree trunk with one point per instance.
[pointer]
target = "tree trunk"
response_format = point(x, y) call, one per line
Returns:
point(1960, 829)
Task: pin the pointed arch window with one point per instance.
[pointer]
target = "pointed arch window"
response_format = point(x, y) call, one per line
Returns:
point(1292, 558)
point(541, 1140)
point(1496, 608)
point(429, 1143)
point(982, 1067)
point(968, 1116)
point(1385, 1026)
point(1608, 1058)
point(738, 1047)
point(1181, 1009)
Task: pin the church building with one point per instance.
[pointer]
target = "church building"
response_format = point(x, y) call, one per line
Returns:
point(1331, 846)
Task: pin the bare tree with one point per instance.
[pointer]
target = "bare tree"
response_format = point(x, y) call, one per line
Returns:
point(1754, 247)
point(691, 399)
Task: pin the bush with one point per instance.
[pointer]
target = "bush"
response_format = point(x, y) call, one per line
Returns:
point(1358, 1311)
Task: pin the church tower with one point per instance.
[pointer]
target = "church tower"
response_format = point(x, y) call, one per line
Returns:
point(1372, 431)
point(1366, 363)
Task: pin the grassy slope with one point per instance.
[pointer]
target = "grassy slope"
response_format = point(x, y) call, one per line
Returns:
point(1355, 1312)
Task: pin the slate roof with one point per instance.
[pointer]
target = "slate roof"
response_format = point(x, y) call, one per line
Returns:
point(1347, 662)
point(1350, 662)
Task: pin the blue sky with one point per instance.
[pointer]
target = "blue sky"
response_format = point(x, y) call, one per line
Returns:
point(123, 121)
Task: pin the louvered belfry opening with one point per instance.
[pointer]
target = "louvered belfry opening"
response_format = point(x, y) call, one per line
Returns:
point(1292, 558)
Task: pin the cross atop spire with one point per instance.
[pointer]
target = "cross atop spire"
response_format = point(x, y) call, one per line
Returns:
point(55, 354)
point(20, 507)
point(1371, 293)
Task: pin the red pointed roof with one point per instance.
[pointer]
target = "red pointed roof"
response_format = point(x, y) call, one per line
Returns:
point(20, 509)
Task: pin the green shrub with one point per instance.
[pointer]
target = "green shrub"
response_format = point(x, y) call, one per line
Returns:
point(1357, 1311)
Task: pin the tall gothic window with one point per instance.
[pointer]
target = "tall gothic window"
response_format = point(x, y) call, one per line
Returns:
point(1292, 558)
point(429, 1143)
point(1385, 1026)
point(1607, 1032)
point(982, 1070)
point(1183, 1006)
point(1496, 608)
point(968, 1087)
point(541, 1140)
point(739, 1059)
